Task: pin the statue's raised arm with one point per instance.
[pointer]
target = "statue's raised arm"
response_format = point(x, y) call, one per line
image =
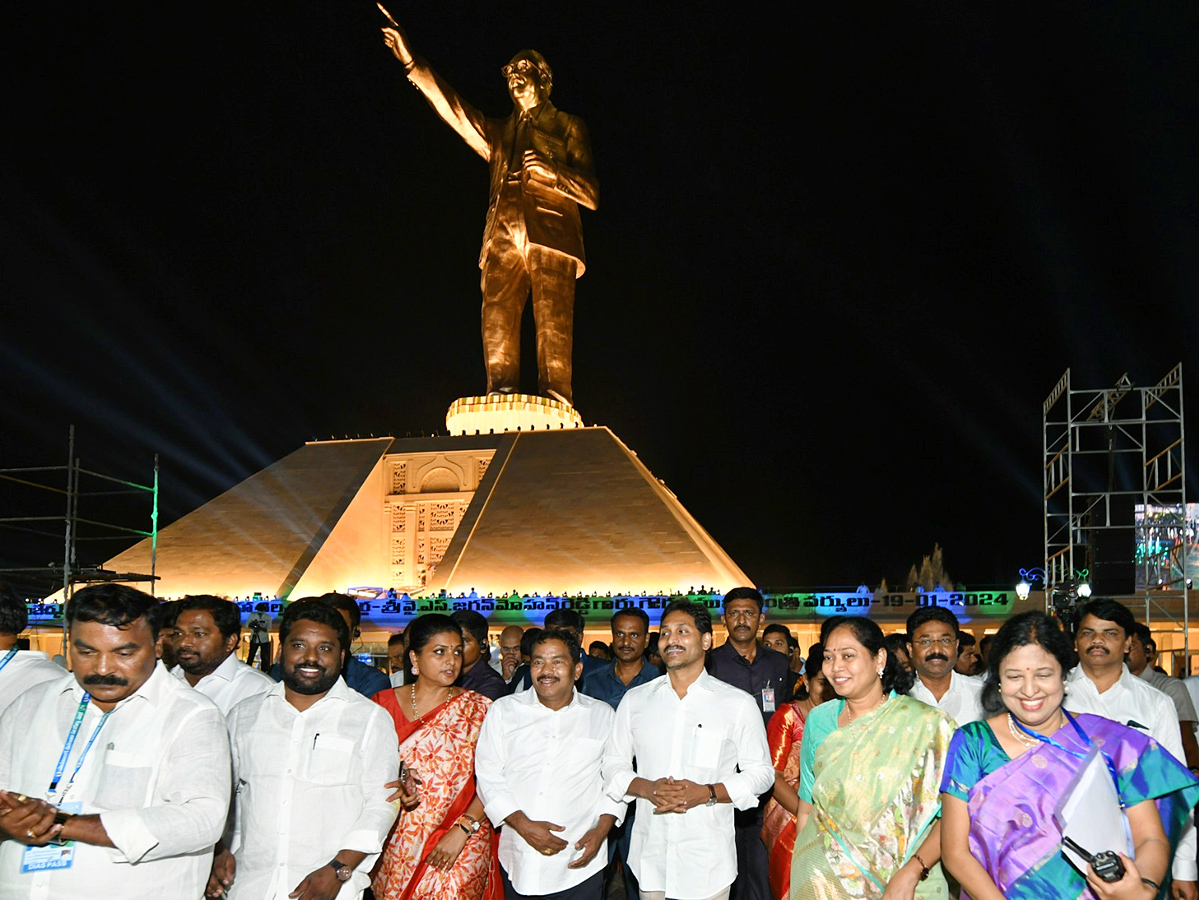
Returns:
point(541, 172)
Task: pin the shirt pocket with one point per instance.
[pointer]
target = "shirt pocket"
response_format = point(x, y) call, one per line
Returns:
point(704, 749)
point(124, 779)
point(331, 760)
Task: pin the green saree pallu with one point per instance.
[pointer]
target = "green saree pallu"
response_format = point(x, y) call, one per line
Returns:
point(875, 796)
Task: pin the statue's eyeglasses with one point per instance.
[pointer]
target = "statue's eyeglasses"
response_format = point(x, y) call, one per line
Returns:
point(522, 66)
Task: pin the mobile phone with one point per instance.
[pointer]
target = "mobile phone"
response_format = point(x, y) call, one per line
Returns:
point(1106, 864)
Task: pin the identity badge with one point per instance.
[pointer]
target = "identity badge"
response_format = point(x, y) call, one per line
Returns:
point(768, 698)
point(51, 856)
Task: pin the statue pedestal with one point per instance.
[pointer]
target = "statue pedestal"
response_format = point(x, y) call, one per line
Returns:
point(509, 412)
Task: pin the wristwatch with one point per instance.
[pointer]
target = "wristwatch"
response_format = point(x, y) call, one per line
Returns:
point(468, 829)
point(712, 795)
point(341, 870)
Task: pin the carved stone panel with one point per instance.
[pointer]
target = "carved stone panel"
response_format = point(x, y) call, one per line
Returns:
point(399, 478)
point(437, 548)
point(443, 516)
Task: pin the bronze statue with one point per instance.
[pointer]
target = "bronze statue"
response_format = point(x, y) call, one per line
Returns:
point(541, 172)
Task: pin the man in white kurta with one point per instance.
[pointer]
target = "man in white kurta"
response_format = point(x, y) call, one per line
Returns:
point(537, 769)
point(311, 759)
point(147, 772)
point(701, 750)
point(206, 636)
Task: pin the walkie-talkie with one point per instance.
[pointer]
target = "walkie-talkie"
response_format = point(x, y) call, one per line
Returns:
point(1106, 864)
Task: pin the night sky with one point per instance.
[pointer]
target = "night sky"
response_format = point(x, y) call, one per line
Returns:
point(842, 252)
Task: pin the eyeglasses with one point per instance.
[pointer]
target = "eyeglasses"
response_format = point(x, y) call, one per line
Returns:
point(743, 614)
point(926, 643)
point(524, 66)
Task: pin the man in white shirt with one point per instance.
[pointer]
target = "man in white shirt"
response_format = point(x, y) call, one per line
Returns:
point(1102, 685)
point(397, 647)
point(118, 758)
point(207, 632)
point(932, 633)
point(311, 759)
point(19, 669)
point(701, 750)
point(537, 768)
point(1140, 659)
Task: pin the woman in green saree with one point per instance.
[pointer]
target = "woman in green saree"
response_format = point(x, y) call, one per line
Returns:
point(870, 771)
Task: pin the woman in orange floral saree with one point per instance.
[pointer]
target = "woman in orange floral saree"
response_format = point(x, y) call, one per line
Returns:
point(443, 847)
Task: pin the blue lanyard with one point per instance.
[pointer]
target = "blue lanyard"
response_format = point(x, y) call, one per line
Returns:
point(66, 751)
point(7, 656)
point(1112, 769)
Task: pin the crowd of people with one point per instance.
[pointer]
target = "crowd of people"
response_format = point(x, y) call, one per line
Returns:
point(161, 765)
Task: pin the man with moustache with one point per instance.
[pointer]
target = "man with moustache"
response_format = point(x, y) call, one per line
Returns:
point(630, 629)
point(207, 631)
point(766, 675)
point(970, 661)
point(19, 669)
point(933, 648)
point(537, 769)
point(367, 680)
point(701, 750)
point(124, 762)
point(311, 759)
point(1102, 685)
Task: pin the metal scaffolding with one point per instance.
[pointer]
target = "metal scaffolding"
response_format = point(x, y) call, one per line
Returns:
point(1114, 462)
point(78, 480)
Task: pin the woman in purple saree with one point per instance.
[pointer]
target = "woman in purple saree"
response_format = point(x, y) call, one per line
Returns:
point(1005, 776)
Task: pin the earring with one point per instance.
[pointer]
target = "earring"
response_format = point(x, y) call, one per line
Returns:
point(414, 670)
point(881, 673)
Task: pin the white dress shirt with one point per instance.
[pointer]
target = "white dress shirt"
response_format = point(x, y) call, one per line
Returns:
point(230, 683)
point(309, 784)
point(23, 671)
point(714, 734)
point(158, 775)
point(545, 763)
point(961, 700)
point(1135, 703)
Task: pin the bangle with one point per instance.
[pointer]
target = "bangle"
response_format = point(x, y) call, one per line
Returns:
point(466, 830)
point(924, 868)
point(1157, 887)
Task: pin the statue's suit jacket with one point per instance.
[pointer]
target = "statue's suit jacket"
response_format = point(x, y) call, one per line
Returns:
point(551, 211)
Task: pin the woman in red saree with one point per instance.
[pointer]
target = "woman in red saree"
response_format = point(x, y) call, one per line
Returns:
point(443, 847)
point(783, 736)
